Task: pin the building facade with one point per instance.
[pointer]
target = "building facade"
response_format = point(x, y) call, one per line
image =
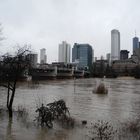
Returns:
point(82, 54)
point(124, 67)
point(135, 45)
point(32, 57)
point(124, 54)
point(64, 52)
point(115, 45)
point(43, 56)
point(136, 50)
point(108, 56)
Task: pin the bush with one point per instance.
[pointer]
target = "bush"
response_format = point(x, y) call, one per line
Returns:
point(56, 110)
point(101, 89)
point(131, 129)
point(102, 130)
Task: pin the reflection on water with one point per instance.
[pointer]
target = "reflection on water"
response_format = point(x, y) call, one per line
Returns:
point(121, 103)
point(9, 135)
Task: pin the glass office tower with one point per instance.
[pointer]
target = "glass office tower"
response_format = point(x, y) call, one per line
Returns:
point(82, 55)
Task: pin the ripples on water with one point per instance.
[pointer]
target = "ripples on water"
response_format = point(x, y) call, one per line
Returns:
point(121, 103)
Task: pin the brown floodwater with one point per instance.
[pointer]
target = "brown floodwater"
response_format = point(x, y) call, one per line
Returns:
point(120, 104)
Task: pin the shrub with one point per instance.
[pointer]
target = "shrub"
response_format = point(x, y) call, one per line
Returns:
point(102, 130)
point(56, 110)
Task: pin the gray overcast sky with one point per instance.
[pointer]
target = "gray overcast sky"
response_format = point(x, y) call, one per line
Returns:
point(45, 23)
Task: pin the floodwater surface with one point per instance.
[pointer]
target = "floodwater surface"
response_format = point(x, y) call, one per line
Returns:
point(120, 104)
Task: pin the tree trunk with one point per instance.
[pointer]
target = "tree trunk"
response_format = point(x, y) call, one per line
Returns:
point(10, 112)
point(10, 102)
point(13, 95)
point(8, 94)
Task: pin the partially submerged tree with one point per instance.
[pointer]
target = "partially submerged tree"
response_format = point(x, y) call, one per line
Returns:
point(56, 110)
point(11, 70)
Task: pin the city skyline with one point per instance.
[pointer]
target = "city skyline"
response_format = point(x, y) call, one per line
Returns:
point(45, 23)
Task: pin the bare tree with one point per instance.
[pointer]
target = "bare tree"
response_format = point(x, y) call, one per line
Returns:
point(11, 70)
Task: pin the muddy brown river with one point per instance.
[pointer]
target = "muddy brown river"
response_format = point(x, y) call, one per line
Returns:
point(122, 103)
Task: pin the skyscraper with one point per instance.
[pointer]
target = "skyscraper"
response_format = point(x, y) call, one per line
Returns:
point(135, 45)
point(108, 57)
point(32, 57)
point(115, 45)
point(64, 52)
point(43, 56)
point(83, 55)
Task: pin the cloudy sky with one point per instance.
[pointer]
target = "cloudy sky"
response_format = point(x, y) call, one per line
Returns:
point(45, 23)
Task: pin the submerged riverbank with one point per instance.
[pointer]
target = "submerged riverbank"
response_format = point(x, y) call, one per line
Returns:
point(120, 105)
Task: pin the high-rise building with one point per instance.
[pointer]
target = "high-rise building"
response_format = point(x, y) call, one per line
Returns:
point(108, 57)
point(43, 56)
point(135, 45)
point(32, 57)
point(115, 45)
point(93, 55)
point(82, 54)
point(124, 54)
point(64, 52)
